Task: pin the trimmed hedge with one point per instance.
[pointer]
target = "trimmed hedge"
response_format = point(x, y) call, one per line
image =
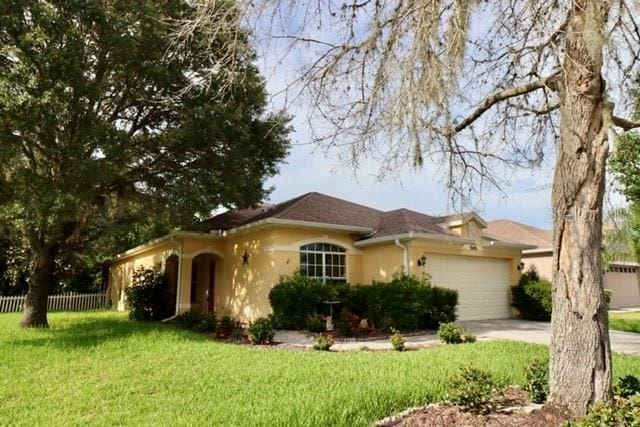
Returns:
point(296, 298)
point(532, 296)
point(405, 303)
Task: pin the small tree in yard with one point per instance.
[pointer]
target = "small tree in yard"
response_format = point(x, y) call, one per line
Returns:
point(97, 127)
point(474, 86)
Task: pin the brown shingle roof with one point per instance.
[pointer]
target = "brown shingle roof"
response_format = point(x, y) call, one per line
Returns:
point(404, 220)
point(324, 209)
point(513, 231)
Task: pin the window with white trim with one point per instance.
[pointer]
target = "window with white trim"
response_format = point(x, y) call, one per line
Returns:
point(324, 261)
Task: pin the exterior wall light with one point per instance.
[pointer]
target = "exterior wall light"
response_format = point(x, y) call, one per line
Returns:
point(422, 261)
point(245, 257)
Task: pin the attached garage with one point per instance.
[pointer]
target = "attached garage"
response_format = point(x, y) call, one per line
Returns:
point(623, 281)
point(483, 284)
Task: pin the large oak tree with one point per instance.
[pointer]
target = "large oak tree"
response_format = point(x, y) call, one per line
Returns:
point(96, 127)
point(475, 86)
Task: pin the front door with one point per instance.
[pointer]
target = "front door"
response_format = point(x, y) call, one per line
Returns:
point(211, 301)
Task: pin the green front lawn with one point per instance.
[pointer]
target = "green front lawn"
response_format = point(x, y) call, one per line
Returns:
point(629, 322)
point(100, 368)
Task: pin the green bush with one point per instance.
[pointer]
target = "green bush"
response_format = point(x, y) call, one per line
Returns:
point(442, 308)
point(619, 413)
point(237, 335)
point(197, 322)
point(608, 293)
point(261, 331)
point(405, 303)
point(295, 298)
point(469, 337)
point(452, 333)
point(537, 380)
point(323, 342)
point(471, 388)
point(398, 341)
point(226, 326)
point(627, 386)
point(316, 323)
point(148, 297)
point(347, 323)
point(532, 296)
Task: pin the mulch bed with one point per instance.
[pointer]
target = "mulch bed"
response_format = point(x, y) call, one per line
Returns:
point(512, 409)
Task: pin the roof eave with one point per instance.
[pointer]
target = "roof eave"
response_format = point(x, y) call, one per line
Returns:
point(510, 245)
point(535, 250)
point(213, 234)
point(298, 223)
point(411, 235)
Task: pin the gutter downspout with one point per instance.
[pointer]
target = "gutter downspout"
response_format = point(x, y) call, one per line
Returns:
point(178, 279)
point(405, 256)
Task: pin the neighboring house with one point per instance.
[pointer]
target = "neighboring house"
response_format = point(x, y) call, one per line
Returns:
point(229, 263)
point(622, 278)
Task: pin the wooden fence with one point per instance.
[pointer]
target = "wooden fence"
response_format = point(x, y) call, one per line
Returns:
point(64, 302)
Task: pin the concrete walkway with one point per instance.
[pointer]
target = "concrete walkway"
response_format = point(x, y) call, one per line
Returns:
point(505, 329)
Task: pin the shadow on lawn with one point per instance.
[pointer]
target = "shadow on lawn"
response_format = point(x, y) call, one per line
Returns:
point(86, 333)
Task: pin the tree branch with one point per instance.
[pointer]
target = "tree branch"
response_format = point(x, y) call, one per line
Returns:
point(625, 124)
point(546, 82)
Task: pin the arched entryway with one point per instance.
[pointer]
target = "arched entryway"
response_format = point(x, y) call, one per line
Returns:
point(203, 283)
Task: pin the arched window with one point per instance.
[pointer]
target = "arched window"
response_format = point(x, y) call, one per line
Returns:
point(324, 261)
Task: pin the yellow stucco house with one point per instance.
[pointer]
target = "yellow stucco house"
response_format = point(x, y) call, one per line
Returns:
point(622, 278)
point(229, 263)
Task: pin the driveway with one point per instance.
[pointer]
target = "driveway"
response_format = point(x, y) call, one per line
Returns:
point(505, 329)
point(540, 333)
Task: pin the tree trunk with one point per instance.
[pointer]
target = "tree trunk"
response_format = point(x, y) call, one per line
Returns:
point(40, 281)
point(580, 353)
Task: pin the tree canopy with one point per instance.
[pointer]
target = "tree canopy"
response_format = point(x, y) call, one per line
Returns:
point(97, 129)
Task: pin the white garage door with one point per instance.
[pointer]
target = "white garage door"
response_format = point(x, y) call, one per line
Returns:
point(625, 290)
point(482, 284)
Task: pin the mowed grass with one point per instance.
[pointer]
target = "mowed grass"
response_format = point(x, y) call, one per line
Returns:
point(101, 369)
point(629, 322)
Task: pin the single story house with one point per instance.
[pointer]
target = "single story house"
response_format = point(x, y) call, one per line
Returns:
point(228, 263)
point(622, 278)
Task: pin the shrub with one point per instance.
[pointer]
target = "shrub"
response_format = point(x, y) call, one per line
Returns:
point(295, 298)
point(226, 326)
point(627, 386)
point(619, 413)
point(197, 322)
point(471, 388)
point(237, 335)
point(608, 293)
point(148, 297)
point(405, 303)
point(347, 323)
point(442, 308)
point(532, 296)
point(468, 336)
point(261, 331)
point(398, 341)
point(537, 380)
point(452, 333)
point(323, 342)
point(316, 323)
